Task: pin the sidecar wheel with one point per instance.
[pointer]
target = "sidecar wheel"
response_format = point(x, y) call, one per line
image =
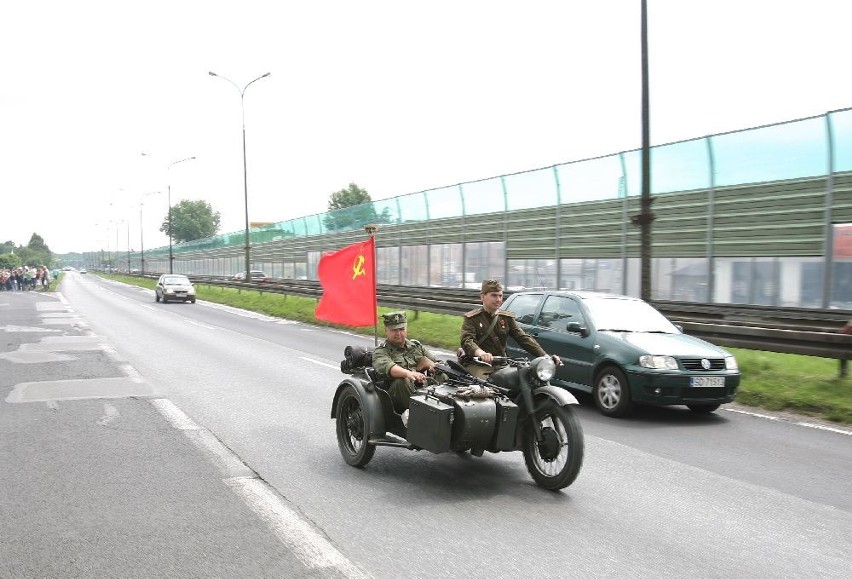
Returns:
point(555, 462)
point(352, 432)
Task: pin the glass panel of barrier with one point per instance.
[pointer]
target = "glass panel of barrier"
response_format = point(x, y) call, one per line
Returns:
point(445, 202)
point(412, 207)
point(590, 180)
point(773, 153)
point(483, 196)
point(387, 211)
point(445, 265)
point(841, 125)
point(387, 266)
point(680, 167)
point(531, 189)
point(415, 264)
point(483, 260)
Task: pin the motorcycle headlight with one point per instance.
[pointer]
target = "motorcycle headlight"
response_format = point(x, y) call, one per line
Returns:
point(544, 368)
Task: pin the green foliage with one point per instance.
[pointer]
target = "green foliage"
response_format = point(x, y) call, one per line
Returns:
point(191, 220)
point(352, 208)
point(801, 384)
point(36, 252)
point(9, 260)
point(349, 197)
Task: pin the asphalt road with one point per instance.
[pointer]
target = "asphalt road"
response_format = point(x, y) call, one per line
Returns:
point(230, 409)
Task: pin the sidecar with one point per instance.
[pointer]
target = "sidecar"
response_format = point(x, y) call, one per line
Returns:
point(440, 419)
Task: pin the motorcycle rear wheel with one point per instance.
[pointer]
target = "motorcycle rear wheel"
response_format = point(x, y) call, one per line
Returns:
point(352, 434)
point(554, 463)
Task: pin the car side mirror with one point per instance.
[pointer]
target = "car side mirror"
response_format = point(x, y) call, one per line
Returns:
point(576, 328)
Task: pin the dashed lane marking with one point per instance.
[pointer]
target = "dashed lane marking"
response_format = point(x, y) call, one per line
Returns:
point(327, 365)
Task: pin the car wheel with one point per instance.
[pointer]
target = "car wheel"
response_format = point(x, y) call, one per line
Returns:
point(156, 297)
point(192, 301)
point(612, 393)
point(703, 408)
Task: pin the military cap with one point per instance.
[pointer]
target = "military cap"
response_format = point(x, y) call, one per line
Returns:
point(491, 285)
point(395, 320)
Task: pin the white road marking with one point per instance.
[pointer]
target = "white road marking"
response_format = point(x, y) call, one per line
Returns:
point(320, 363)
point(205, 326)
point(312, 548)
point(782, 419)
point(828, 428)
point(173, 414)
point(754, 414)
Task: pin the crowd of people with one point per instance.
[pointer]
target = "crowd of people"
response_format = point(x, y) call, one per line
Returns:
point(25, 278)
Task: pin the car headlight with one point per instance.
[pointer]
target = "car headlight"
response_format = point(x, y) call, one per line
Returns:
point(731, 363)
point(658, 362)
point(170, 290)
point(544, 368)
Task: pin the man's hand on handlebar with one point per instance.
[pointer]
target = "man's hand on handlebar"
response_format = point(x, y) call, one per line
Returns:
point(484, 356)
point(557, 360)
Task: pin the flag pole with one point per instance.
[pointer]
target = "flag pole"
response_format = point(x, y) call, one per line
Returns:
point(371, 233)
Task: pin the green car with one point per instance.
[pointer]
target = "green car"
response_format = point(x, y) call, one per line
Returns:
point(624, 352)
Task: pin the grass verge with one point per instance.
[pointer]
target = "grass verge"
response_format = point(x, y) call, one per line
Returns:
point(784, 382)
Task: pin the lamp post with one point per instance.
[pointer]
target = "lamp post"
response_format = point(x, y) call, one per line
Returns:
point(245, 173)
point(169, 194)
point(141, 228)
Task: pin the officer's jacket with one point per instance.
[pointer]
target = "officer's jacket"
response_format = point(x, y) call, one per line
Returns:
point(474, 333)
point(387, 355)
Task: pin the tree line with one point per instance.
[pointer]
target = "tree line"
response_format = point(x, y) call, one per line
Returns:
point(36, 252)
point(347, 208)
point(192, 220)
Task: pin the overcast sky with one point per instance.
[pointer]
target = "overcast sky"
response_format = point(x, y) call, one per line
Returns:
point(396, 96)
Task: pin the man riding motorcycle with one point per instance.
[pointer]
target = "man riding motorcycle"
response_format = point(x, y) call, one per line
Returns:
point(485, 330)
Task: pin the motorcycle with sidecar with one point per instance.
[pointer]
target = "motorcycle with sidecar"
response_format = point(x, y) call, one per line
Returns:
point(514, 409)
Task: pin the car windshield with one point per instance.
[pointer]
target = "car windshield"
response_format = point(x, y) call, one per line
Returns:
point(624, 315)
point(176, 280)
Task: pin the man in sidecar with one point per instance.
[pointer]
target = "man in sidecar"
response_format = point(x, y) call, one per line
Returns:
point(403, 363)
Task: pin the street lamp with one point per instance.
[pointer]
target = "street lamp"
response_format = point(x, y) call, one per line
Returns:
point(169, 188)
point(245, 175)
point(141, 230)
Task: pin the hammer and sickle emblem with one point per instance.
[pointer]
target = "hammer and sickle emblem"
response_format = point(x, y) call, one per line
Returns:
point(358, 267)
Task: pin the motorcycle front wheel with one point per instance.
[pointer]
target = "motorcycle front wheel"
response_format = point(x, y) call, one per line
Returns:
point(352, 434)
point(555, 461)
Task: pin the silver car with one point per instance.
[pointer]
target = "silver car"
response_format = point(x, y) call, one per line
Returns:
point(174, 288)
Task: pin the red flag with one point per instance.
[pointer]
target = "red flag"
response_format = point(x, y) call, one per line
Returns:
point(348, 279)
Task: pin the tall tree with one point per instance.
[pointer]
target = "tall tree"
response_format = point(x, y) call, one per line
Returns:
point(351, 208)
point(191, 220)
point(36, 252)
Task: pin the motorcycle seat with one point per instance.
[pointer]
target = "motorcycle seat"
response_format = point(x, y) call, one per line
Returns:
point(374, 377)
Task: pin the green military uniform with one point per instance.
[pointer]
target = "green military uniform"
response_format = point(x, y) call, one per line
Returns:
point(481, 330)
point(406, 356)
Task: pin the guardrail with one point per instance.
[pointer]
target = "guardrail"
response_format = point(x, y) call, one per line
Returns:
point(810, 332)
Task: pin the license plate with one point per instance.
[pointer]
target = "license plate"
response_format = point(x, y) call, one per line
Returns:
point(707, 381)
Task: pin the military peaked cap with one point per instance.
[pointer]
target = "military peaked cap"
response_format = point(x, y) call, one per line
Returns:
point(395, 320)
point(491, 285)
